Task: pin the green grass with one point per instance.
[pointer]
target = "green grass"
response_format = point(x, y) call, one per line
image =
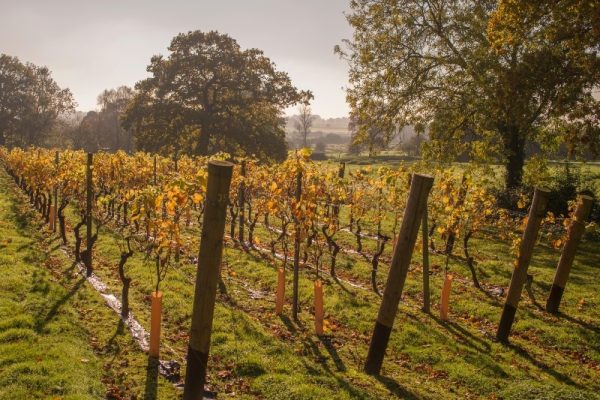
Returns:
point(58, 340)
point(257, 354)
point(44, 349)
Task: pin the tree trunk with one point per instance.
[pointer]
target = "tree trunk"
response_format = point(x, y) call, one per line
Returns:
point(514, 147)
point(203, 142)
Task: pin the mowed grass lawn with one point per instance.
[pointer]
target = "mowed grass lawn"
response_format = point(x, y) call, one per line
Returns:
point(44, 350)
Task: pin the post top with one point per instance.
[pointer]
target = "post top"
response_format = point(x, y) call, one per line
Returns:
point(219, 163)
point(425, 176)
point(542, 189)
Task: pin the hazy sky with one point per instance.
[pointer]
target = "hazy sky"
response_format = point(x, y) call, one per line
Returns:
point(93, 45)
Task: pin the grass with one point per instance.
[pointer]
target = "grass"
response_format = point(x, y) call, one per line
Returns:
point(58, 340)
point(257, 354)
point(44, 349)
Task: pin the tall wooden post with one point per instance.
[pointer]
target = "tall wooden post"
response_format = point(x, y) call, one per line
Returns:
point(242, 202)
point(413, 215)
point(154, 171)
point(296, 251)
point(426, 291)
point(519, 275)
point(88, 212)
point(576, 229)
point(209, 260)
point(55, 208)
point(341, 172)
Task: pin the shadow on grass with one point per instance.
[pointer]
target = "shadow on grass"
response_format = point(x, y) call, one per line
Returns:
point(151, 386)
point(41, 323)
point(395, 388)
point(330, 347)
point(342, 286)
point(540, 364)
point(466, 337)
point(312, 348)
point(291, 325)
point(582, 324)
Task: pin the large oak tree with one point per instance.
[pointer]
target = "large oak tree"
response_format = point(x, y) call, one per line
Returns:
point(210, 95)
point(493, 72)
point(30, 102)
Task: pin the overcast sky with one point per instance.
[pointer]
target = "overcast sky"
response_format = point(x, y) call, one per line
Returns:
point(94, 45)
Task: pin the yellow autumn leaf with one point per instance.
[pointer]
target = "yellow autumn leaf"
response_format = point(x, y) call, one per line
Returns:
point(197, 198)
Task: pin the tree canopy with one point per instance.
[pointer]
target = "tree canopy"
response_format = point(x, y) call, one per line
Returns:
point(209, 95)
point(30, 102)
point(102, 130)
point(497, 73)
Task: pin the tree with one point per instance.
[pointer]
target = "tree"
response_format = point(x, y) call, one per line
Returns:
point(208, 95)
point(368, 137)
point(303, 123)
point(113, 104)
point(30, 102)
point(498, 71)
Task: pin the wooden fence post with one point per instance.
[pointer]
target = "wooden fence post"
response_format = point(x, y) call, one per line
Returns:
point(519, 275)
point(241, 201)
point(54, 210)
point(336, 206)
point(413, 215)
point(576, 229)
point(296, 251)
point(426, 291)
point(209, 260)
point(88, 213)
point(154, 171)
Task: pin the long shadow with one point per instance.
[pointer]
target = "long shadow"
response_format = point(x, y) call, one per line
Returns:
point(119, 331)
point(466, 337)
point(40, 324)
point(342, 286)
point(151, 386)
point(541, 365)
point(395, 387)
point(291, 326)
point(354, 392)
point(582, 324)
point(328, 344)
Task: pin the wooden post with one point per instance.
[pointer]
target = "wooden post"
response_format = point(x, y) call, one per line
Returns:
point(154, 171)
point(155, 321)
point(341, 172)
point(241, 202)
point(576, 229)
point(413, 215)
point(280, 297)
point(426, 292)
point(54, 211)
point(519, 275)
point(296, 251)
point(209, 260)
point(88, 213)
point(319, 314)
point(445, 299)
